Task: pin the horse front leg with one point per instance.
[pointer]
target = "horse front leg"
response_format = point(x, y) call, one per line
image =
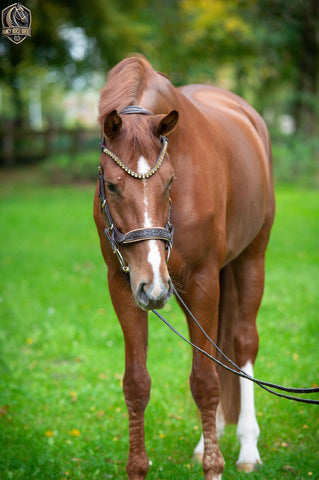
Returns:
point(204, 380)
point(206, 393)
point(136, 381)
point(136, 387)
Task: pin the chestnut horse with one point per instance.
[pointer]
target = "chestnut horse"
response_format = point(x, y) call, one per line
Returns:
point(216, 169)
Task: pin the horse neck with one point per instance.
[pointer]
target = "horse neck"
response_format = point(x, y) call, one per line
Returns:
point(158, 95)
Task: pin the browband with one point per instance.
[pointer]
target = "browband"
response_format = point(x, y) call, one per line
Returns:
point(130, 109)
point(128, 169)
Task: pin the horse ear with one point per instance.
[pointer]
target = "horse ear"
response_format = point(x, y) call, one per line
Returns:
point(112, 124)
point(167, 123)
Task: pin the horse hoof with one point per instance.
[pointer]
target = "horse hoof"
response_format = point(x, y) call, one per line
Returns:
point(198, 457)
point(247, 467)
point(214, 477)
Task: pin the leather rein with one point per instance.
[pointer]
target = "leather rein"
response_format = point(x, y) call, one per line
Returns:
point(117, 238)
point(112, 233)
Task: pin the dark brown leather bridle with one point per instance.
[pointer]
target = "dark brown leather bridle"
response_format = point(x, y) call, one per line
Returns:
point(112, 233)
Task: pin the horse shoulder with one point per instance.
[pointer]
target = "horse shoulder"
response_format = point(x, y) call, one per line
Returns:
point(241, 143)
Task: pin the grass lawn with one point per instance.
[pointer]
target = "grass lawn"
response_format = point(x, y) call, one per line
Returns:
point(62, 411)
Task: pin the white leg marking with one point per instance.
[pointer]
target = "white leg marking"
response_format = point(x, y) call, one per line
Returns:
point(247, 429)
point(220, 426)
point(220, 421)
point(154, 256)
point(199, 449)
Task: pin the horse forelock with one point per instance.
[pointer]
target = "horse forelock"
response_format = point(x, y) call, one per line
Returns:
point(127, 83)
point(124, 84)
point(137, 139)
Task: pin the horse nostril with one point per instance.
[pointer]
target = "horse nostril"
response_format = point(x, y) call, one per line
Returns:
point(141, 294)
point(153, 296)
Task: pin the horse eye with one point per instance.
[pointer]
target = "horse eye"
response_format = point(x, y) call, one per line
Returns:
point(112, 188)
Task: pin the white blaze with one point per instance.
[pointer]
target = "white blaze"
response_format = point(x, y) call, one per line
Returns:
point(153, 257)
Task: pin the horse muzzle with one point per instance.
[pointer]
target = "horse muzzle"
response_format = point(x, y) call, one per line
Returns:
point(149, 296)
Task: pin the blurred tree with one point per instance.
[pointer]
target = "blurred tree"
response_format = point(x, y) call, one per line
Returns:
point(74, 38)
point(269, 45)
point(289, 40)
point(219, 35)
point(264, 46)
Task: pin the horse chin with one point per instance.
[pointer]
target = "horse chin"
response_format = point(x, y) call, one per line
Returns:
point(157, 305)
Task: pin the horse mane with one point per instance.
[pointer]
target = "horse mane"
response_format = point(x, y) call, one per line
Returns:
point(124, 83)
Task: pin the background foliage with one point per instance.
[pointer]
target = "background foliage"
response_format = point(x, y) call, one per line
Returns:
point(264, 50)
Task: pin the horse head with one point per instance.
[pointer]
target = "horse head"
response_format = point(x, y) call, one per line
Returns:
point(138, 197)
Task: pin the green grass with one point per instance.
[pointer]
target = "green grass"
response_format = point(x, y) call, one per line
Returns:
point(62, 412)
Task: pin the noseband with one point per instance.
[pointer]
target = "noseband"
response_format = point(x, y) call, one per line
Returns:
point(112, 233)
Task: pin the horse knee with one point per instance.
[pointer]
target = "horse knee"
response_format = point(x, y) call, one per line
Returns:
point(246, 344)
point(205, 388)
point(136, 388)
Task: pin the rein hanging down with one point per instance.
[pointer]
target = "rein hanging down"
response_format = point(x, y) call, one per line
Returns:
point(239, 372)
point(115, 237)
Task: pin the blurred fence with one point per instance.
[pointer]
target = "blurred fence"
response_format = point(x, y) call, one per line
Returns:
point(25, 146)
